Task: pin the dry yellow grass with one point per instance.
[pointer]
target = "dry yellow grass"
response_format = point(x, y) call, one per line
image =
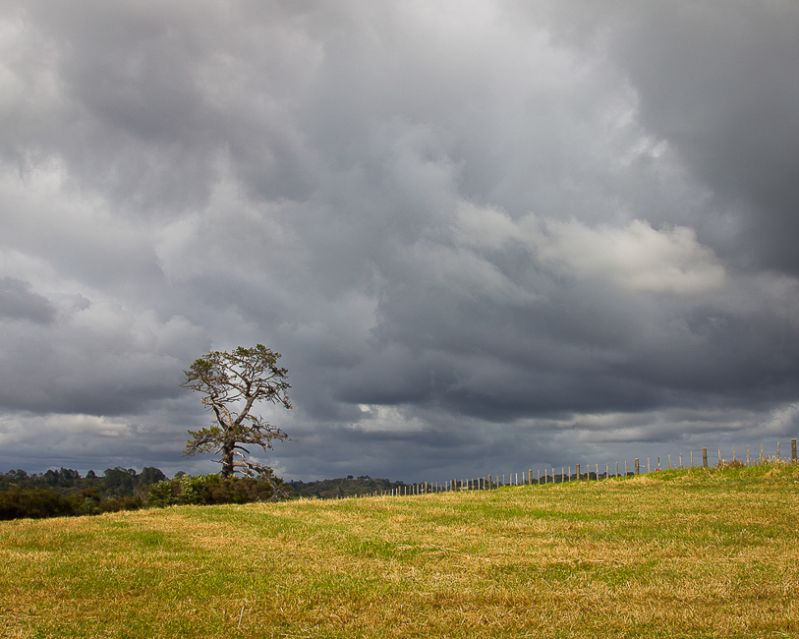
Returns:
point(683, 554)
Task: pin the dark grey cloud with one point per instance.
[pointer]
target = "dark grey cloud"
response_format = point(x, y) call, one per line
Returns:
point(715, 80)
point(18, 301)
point(480, 235)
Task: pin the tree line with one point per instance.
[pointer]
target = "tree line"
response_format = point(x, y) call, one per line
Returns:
point(65, 492)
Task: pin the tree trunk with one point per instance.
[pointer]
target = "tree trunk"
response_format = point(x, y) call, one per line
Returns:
point(227, 458)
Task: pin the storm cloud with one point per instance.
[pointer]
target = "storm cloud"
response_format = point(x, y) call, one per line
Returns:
point(482, 235)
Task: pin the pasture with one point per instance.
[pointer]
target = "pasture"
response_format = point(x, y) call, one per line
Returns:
point(680, 553)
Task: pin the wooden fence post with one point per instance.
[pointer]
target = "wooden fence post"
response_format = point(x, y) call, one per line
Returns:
point(778, 452)
point(793, 451)
point(577, 471)
point(692, 458)
point(637, 463)
point(596, 472)
point(748, 457)
point(704, 458)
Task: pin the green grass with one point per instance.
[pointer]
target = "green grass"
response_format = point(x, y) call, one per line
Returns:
point(689, 553)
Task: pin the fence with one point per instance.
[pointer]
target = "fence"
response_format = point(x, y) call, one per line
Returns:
point(580, 472)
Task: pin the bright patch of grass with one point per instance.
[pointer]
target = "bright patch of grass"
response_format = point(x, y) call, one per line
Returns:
point(678, 553)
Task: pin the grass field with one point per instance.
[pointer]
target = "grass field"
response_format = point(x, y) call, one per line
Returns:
point(680, 554)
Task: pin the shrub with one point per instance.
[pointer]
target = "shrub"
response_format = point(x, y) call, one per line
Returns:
point(16, 503)
point(731, 464)
point(211, 489)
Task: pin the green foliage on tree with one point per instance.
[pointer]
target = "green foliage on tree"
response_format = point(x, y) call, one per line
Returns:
point(232, 383)
point(64, 492)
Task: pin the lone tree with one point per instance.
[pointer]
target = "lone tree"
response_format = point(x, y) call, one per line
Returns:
point(231, 384)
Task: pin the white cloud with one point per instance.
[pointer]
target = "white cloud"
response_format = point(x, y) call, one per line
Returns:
point(484, 227)
point(58, 429)
point(637, 256)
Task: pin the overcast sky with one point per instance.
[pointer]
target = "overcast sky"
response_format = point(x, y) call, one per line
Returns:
point(483, 235)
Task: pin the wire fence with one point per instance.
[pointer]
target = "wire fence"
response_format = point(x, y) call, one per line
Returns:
point(539, 475)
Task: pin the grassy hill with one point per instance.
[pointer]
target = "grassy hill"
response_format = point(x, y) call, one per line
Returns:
point(692, 553)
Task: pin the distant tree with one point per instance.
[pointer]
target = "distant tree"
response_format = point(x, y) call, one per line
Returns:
point(150, 475)
point(119, 481)
point(231, 384)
